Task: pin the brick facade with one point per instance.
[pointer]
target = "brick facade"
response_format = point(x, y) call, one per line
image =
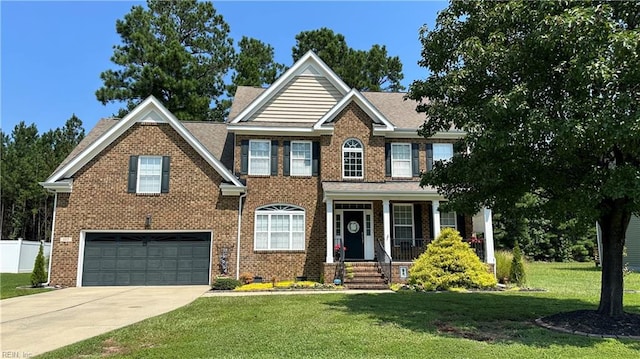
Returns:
point(100, 201)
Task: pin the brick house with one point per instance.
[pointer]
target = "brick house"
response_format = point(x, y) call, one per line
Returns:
point(301, 167)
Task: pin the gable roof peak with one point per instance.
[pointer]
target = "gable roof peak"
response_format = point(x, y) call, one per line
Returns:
point(310, 65)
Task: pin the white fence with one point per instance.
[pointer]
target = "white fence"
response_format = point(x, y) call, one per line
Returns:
point(19, 256)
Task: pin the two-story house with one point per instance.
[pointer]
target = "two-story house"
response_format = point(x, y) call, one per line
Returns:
point(301, 167)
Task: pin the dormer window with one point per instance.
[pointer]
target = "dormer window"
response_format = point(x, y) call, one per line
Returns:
point(352, 159)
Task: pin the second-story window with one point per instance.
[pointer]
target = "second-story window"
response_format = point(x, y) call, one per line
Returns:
point(259, 157)
point(442, 151)
point(352, 159)
point(401, 160)
point(301, 158)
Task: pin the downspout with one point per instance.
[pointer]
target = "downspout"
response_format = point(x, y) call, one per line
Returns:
point(53, 228)
point(238, 239)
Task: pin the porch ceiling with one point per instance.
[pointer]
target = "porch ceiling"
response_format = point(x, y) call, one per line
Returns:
point(379, 190)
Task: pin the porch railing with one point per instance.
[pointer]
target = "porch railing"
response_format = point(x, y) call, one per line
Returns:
point(408, 250)
point(340, 268)
point(384, 261)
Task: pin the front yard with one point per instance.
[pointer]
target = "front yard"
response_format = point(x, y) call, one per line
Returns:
point(337, 325)
point(10, 281)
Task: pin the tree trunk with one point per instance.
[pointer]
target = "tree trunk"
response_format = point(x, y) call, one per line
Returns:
point(613, 225)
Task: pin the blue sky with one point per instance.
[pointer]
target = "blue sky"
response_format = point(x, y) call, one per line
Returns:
point(52, 53)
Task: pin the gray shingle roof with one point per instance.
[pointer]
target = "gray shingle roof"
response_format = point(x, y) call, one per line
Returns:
point(212, 135)
point(378, 187)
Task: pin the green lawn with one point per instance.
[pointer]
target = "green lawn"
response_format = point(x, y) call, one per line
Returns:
point(430, 325)
point(10, 281)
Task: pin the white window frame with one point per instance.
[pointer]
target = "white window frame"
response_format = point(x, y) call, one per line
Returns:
point(252, 170)
point(395, 160)
point(449, 225)
point(346, 150)
point(441, 146)
point(280, 210)
point(157, 173)
point(307, 168)
point(397, 240)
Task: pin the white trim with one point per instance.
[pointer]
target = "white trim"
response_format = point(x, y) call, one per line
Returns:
point(412, 133)
point(488, 238)
point(310, 172)
point(82, 242)
point(363, 103)
point(276, 131)
point(147, 110)
point(53, 231)
point(435, 212)
point(329, 231)
point(63, 186)
point(394, 195)
point(309, 59)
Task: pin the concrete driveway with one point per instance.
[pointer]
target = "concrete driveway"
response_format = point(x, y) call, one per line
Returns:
point(39, 323)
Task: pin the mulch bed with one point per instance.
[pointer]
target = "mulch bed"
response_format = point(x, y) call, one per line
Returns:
point(590, 322)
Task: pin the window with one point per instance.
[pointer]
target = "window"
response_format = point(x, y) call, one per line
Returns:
point(403, 223)
point(352, 159)
point(442, 151)
point(301, 158)
point(401, 160)
point(279, 227)
point(448, 220)
point(148, 174)
point(259, 157)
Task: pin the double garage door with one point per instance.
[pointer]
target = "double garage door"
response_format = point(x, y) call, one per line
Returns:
point(119, 259)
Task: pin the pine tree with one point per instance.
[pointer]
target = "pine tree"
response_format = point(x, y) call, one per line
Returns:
point(38, 276)
point(517, 274)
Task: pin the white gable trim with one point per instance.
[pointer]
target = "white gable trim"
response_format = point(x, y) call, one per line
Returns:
point(309, 65)
point(149, 111)
point(355, 96)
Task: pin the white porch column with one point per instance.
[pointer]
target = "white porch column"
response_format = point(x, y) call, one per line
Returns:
point(436, 218)
point(329, 230)
point(488, 238)
point(386, 224)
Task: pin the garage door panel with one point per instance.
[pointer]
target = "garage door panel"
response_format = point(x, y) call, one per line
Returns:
point(146, 258)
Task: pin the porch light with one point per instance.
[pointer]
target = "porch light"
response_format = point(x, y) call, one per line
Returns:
point(147, 221)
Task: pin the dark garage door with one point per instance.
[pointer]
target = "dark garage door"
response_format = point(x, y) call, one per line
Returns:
point(146, 259)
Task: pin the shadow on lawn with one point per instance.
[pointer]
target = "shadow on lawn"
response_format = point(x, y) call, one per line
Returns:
point(487, 317)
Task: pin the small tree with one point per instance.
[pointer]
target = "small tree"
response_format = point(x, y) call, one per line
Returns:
point(517, 274)
point(38, 276)
point(448, 263)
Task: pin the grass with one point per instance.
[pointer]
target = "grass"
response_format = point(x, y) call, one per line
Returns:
point(10, 281)
point(405, 324)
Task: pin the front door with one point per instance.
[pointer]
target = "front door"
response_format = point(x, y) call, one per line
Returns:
point(353, 234)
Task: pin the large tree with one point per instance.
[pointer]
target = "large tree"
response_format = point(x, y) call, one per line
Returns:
point(28, 158)
point(177, 51)
point(548, 94)
point(372, 70)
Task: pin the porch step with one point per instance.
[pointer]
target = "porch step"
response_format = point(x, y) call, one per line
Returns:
point(364, 275)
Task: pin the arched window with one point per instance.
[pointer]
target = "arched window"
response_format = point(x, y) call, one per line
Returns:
point(279, 227)
point(352, 159)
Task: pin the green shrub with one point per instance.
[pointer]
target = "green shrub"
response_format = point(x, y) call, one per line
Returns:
point(517, 274)
point(224, 283)
point(503, 265)
point(38, 276)
point(448, 263)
